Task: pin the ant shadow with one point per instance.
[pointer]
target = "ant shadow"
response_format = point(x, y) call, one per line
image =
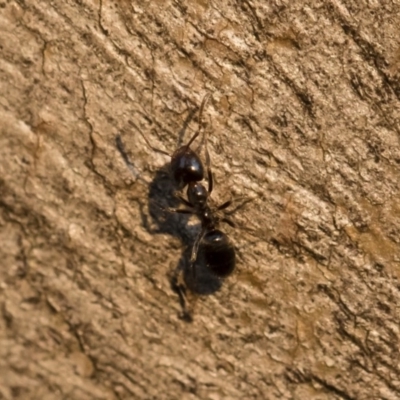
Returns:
point(197, 278)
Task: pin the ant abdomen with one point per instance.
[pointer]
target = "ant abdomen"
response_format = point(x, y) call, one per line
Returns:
point(218, 253)
point(186, 167)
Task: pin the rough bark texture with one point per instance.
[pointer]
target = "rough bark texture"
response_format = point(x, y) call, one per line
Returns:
point(304, 117)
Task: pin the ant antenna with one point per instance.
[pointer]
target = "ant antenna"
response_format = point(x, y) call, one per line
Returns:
point(208, 163)
point(203, 103)
point(157, 150)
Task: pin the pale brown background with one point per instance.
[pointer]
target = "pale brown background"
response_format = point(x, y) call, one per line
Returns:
point(304, 117)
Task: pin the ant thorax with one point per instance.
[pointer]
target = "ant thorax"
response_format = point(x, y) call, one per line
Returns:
point(197, 194)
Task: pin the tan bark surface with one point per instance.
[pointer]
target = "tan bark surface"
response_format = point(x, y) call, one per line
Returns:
point(304, 117)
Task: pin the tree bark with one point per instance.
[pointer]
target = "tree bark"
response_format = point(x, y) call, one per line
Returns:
point(303, 120)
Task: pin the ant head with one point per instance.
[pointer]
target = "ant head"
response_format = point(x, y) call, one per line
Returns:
point(197, 194)
point(186, 167)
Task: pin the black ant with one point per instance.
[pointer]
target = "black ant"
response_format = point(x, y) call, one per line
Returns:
point(187, 169)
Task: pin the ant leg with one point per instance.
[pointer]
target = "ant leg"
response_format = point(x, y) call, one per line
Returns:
point(224, 205)
point(177, 210)
point(245, 200)
point(195, 250)
point(178, 286)
point(183, 200)
point(203, 103)
point(228, 221)
point(210, 179)
point(174, 210)
point(196, 245)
